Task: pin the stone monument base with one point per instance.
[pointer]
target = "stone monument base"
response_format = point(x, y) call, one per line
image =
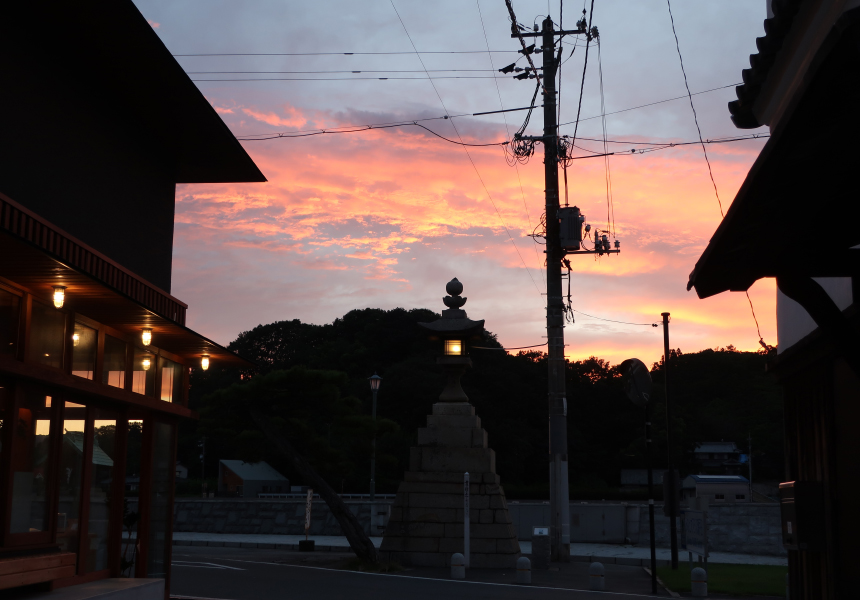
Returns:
point(427, 518)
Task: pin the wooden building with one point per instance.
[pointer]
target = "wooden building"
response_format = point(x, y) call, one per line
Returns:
point(98, 123)
point(796, 218)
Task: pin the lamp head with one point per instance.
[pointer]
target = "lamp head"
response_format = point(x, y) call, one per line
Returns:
point(375, 381)
point(59, 296)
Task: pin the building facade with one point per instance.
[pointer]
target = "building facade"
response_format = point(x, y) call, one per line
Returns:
point(99, 123)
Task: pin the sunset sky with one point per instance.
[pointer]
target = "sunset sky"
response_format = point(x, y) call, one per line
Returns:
point(385, 218)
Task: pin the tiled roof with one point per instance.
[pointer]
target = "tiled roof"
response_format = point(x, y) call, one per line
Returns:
point(775, 30)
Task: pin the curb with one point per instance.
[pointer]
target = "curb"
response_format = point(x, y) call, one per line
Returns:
point(259, 545)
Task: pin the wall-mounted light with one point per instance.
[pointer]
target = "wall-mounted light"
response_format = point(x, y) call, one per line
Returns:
point(204, 362)
point(146, 336)
point(146, 363)
point(59, 295)
point(76, 338)
point(453, 348)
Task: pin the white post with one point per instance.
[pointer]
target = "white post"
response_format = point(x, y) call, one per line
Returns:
point(466, 519)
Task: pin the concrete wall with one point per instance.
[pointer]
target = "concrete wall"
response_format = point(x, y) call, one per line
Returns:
point(744, 528)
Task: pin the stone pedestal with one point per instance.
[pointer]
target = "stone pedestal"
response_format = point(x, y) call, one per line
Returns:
point(426, 523)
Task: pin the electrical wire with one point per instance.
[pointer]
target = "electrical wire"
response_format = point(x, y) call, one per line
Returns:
point(614, 321)
point(334, 72)
point(519, 348)
point(465, 149)
point(610, 204)
point(342, 53)
point(508, 133)
point(693, 107)
point(354, 78)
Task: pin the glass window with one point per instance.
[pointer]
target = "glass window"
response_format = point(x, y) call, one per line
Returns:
point(9, 310)
point(47, 326)
point(104, 442)
point(171, 380)
point(31, 445)
point(143, 373)
point(70, 476)
point(84, 346)
point(163, 469)
point(131, 504)
point(113, 372)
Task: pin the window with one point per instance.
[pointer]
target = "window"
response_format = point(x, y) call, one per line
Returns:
point(171, 380)
point(70, 477)
point(719, 496)
point(47, 327)
point(84, 347)
point(143, 373)
point(9, 310)
point(104, 442)
point(113, 372)
point(31, 445)
point(740, 496)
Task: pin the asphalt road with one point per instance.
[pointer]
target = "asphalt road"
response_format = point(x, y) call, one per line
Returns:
point(252, 574)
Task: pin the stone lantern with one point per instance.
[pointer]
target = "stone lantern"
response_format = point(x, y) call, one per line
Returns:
point(427, 519)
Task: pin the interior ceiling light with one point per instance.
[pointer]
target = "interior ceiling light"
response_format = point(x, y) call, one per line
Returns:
point(204, 362)
point(146, 336)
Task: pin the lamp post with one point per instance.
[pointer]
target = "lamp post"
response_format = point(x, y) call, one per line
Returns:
point(374, 387)
point(637, 385)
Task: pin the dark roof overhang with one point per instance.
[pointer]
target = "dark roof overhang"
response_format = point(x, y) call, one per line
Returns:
point(37, 256)
point(107, 49)
point(796, 213)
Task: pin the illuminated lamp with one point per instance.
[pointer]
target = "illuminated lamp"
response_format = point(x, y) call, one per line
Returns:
point(59, 296)
point(146, 363)
point(76, 338)
point(453, 347)
point(204, 362)
point(146, 336)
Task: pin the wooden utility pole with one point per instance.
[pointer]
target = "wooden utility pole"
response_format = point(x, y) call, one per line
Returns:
point(671, 486)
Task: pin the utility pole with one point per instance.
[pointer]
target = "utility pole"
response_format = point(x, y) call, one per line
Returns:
point(558, 478)
point(749, 462)
point(651, 497)
point(556, 249)
point(671, 501)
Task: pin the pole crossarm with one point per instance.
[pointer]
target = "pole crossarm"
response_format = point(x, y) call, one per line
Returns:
point(559, 32)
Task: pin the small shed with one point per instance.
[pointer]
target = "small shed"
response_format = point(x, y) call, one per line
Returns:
point(247, 480)
point(720, 456)
point(181, 471)
point(718, 488)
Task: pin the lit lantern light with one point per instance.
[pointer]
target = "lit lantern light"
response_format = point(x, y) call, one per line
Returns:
point(146, 336)
point(76, 339)
point(204, 362)
point(59, 296)
point(453, 348)
point(146, 363)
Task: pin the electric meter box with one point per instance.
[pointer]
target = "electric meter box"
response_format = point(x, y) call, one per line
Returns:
point(570, 222)
point(801, 508)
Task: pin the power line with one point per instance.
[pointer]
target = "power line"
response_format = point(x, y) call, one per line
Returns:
point(518, 348)
point(355, 78)
point(465, 149)
point(692, 106)
point(327, 72)
point(651, 104)
point(343, 53)
point(614, 321)
point(508, 133)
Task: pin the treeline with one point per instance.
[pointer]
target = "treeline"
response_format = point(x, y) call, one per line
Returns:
point(326, 403)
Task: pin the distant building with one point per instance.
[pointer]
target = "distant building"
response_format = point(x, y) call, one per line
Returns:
point(246, 480)
point(724, 457)
point(718, 488)
point(637, 478)
point(181, 471)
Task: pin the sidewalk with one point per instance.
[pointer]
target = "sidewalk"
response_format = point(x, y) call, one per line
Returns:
point(604, 553)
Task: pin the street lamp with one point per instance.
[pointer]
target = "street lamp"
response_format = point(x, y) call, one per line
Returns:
point(637, 385)
point(374, 387)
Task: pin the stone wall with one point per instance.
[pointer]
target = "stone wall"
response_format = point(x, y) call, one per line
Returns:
point(746, 528)
point(284, 517)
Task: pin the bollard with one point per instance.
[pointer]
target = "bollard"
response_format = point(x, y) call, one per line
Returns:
point(458, 566)
point(699, 583)
point(524, 570)
point(596, 576)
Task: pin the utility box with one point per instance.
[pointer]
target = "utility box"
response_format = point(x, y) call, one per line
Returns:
point(540, 548)
point(570, 221)
point(801, 508)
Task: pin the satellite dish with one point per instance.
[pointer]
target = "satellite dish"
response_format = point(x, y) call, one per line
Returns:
point(637, 381)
